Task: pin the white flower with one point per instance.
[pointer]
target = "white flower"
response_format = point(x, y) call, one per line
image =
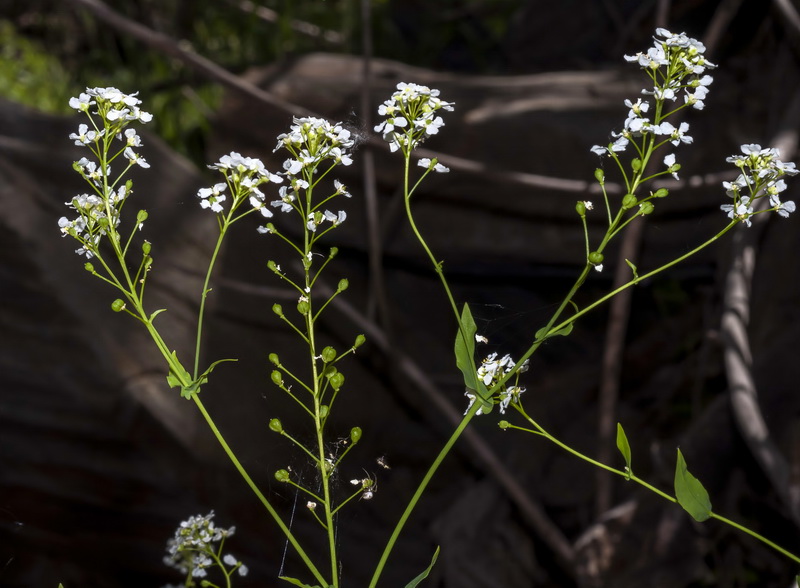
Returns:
point(437, 167)
point(212, 197)
point(480, 339)
point(230, 560)
point(336, 219)
point(135, 158)
point(84, 136)
point(742, 210)
point(669, 161)
point(599, 150)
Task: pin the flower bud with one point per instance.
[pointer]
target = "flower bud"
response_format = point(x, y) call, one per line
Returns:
point(282, 476)
point(141, 216)
point(328, 354)
point(580, 208)
point(661, 193)
point(343, 284)
point(274, 360)
point(275, 426)
point(646, 207)
point(355, 434)
point(636, 164)
point(324, 411)
point(277, 378)
point(146, 246)
point(629, 201)
point(337, 380)
point(360, 340)
point(277, 309)
point(272, 266)
point(595, 258)
point(333, 252)
point(303, 307)
point(503, 425)
point(89, 268)
point(600, 175)
point(118, 305)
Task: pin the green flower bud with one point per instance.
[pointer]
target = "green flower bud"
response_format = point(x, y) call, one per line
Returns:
point(503, 425)
point(595, 258)
point(355, 434)
point(629, 201)
point(323, 411)
point(270, 228)
point(272, 266)
point(282, 476)
point(89, 268)
point(360, 340)
point(337, 380)
point(646, 207)
point(141, 216)
point(118, 305)
point(277, 378)
point(661, 193)
point(146, 246)
point(580, 208)
point(277, 309)
point(328, 354)
point(276, 426)
point(274, 360)
point(303, 307)
point(636, 164)
point(343, 284)
point(334, 251)
point(600, 175)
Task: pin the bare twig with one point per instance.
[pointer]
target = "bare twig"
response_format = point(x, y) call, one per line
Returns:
point(299, 26)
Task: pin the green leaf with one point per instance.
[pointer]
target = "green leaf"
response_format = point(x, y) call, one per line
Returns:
point(465, 350)
point(625, 449)
point(543, 334)
point(177, 373)
point(633, 269)
point(296, 582)
point(156, 313)
point(413, 583)
point(690, 492)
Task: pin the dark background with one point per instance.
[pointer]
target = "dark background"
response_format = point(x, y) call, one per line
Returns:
point(99, 460)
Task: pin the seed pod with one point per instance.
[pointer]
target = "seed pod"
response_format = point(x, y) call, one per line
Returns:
point(595, 258)
point(118, 305)
point(355, 434)
point(328, 354)
point(276, 426)
point(282, 476)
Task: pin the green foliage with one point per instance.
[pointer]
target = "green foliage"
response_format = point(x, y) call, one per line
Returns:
point(690, 492)
point(624, 448)
point(413, 583)
point(31, 75)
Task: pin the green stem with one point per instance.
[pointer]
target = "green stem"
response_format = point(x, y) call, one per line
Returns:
point(203, 297)
point(628, 475)
point(249, 481)
point(420, 490)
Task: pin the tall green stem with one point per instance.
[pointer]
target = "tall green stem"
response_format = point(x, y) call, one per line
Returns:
point(420, 490)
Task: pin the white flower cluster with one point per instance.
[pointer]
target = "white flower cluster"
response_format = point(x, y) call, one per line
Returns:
point(411, 117)
point(99, 211)
point(491, 371)
point(761, 176)
point(675, 62)
point(311, 141)
point(112, 105)
point(243, 175)
point(192, 550)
